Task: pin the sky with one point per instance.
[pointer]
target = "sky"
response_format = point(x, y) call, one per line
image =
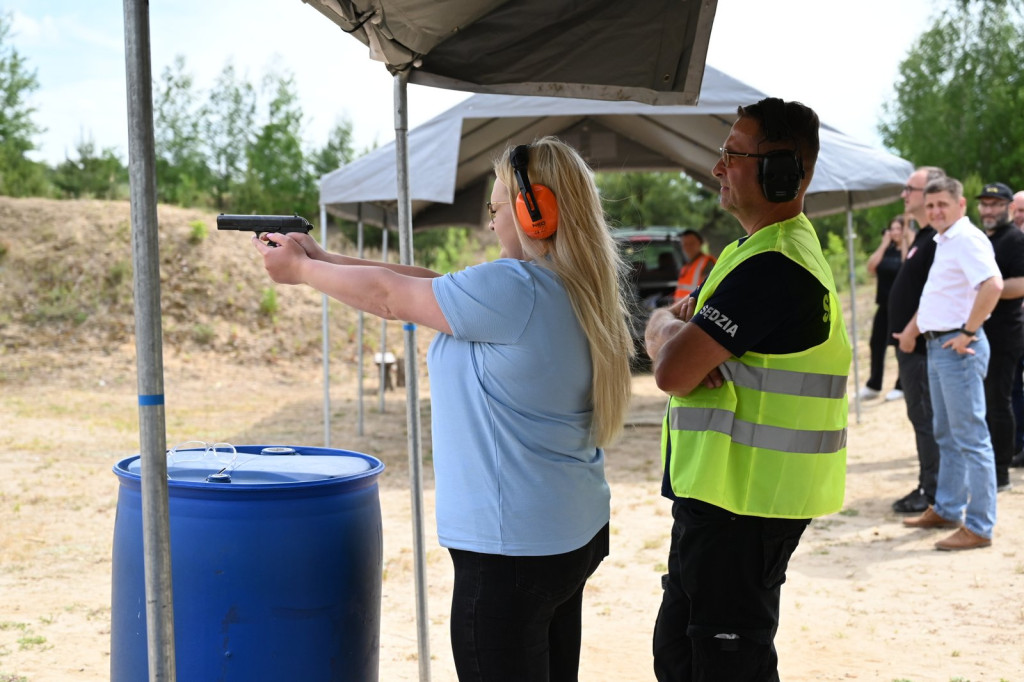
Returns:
point(841, 59)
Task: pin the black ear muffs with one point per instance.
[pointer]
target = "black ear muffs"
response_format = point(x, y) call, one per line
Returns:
point(780, 171)
point(536, 205)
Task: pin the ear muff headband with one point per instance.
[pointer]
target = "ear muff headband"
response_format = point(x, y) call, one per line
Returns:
point(780, 171)
point(536, 205)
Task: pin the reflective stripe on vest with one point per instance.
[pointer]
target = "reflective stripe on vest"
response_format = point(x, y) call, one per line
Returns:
point(756, 435)
point(784, 380)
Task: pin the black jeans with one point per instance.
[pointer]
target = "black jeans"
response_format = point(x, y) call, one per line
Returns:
point(720, 608)
point(1017, 399)
point(914, 379)
point(518, 618)
point(1002, 366)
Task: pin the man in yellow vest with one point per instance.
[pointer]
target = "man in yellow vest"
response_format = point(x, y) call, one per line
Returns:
point(698, 264)
point(754, 440)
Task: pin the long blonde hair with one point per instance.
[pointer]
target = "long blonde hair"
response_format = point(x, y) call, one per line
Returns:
point(582, 253)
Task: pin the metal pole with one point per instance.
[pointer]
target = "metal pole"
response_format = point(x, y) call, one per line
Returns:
point(382, 369)
point(326, 340)
point(411, 379)
point(156, 536)
point(359, 332)
point(850, 237)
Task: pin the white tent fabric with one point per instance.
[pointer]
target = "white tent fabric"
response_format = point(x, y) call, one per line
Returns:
point(450, 155)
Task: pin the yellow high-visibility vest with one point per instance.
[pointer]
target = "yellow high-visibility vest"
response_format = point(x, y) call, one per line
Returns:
point(771, 441)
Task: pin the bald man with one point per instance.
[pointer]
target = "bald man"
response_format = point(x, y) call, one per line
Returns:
point(1017, 209)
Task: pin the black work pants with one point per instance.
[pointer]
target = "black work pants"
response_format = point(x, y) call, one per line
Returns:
point(518, 618)
point(914, 380)
point(720, 608)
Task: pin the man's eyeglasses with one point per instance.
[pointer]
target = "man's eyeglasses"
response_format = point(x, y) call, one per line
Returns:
point(491, 207)
point(728, 155)
point(910, 190)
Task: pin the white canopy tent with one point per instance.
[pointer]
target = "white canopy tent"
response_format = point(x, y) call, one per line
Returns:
point(450, 155)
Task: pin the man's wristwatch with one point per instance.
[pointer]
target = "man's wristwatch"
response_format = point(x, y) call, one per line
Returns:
point(964, 330)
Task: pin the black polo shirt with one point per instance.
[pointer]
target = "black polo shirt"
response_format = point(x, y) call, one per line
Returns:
point(1008, 317)
point(905, 295)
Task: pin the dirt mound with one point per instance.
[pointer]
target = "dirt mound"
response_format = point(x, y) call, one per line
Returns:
point(66, 284)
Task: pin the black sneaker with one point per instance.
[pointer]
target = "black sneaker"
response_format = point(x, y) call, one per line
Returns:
point(914, 503)
point(1003, 480)
point(1018, 460)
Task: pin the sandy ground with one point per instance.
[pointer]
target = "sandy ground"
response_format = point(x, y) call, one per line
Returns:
point(866, 599)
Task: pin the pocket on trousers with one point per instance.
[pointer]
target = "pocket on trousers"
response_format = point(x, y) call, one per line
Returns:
point(780, 538)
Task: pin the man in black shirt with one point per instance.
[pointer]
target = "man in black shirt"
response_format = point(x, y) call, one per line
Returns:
point(1005, 327)
point(913, 367)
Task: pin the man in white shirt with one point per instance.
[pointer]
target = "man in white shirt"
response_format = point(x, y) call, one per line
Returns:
point(963, 287)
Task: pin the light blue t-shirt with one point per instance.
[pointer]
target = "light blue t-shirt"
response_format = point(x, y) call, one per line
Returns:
point(516, 470)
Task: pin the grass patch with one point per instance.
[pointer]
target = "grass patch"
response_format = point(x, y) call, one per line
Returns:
point(198, 232)
point(268, 304)
point(203, 334)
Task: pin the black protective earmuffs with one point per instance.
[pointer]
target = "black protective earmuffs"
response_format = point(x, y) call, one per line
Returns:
point(780, 171)
point(536, 205)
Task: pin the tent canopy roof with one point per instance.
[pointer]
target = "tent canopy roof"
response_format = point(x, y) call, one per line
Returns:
point(538, 47)
point(451, 155)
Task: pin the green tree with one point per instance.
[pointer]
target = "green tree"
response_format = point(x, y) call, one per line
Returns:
point(278, 178)
point(98, 175)
point(227, 121)
point(674, 199)
point(337, 152)
point(181, 169)
point(959, 97)
point(19, 176)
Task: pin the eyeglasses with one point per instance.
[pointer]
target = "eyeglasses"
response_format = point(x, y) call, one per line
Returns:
point(910, 190)
point(727, 156)
point(491, 207)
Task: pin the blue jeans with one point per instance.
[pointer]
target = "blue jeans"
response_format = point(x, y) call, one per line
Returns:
point(517, 618)
point(967, 476)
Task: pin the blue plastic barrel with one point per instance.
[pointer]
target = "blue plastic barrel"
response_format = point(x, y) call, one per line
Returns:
point(275, 560)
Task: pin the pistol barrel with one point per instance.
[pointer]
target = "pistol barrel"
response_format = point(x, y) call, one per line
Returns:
point(263, 223)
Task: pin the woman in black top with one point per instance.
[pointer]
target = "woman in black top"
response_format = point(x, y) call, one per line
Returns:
point(884, 263)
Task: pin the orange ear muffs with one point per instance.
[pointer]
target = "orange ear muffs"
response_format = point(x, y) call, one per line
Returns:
point(536, 205)
point(546, 205)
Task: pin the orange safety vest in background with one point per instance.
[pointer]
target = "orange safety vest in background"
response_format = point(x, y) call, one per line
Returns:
point(693, 274)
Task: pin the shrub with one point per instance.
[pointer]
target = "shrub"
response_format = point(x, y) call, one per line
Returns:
point(203, 334)
point(268, 304)
point(198, 232)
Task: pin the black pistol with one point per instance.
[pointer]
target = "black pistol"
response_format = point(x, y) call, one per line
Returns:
point(264, 223)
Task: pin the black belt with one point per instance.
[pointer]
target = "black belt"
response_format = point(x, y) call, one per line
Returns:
point(931, 336)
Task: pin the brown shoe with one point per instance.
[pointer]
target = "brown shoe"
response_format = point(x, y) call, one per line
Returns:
point(962, 539)
point(930, 519)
